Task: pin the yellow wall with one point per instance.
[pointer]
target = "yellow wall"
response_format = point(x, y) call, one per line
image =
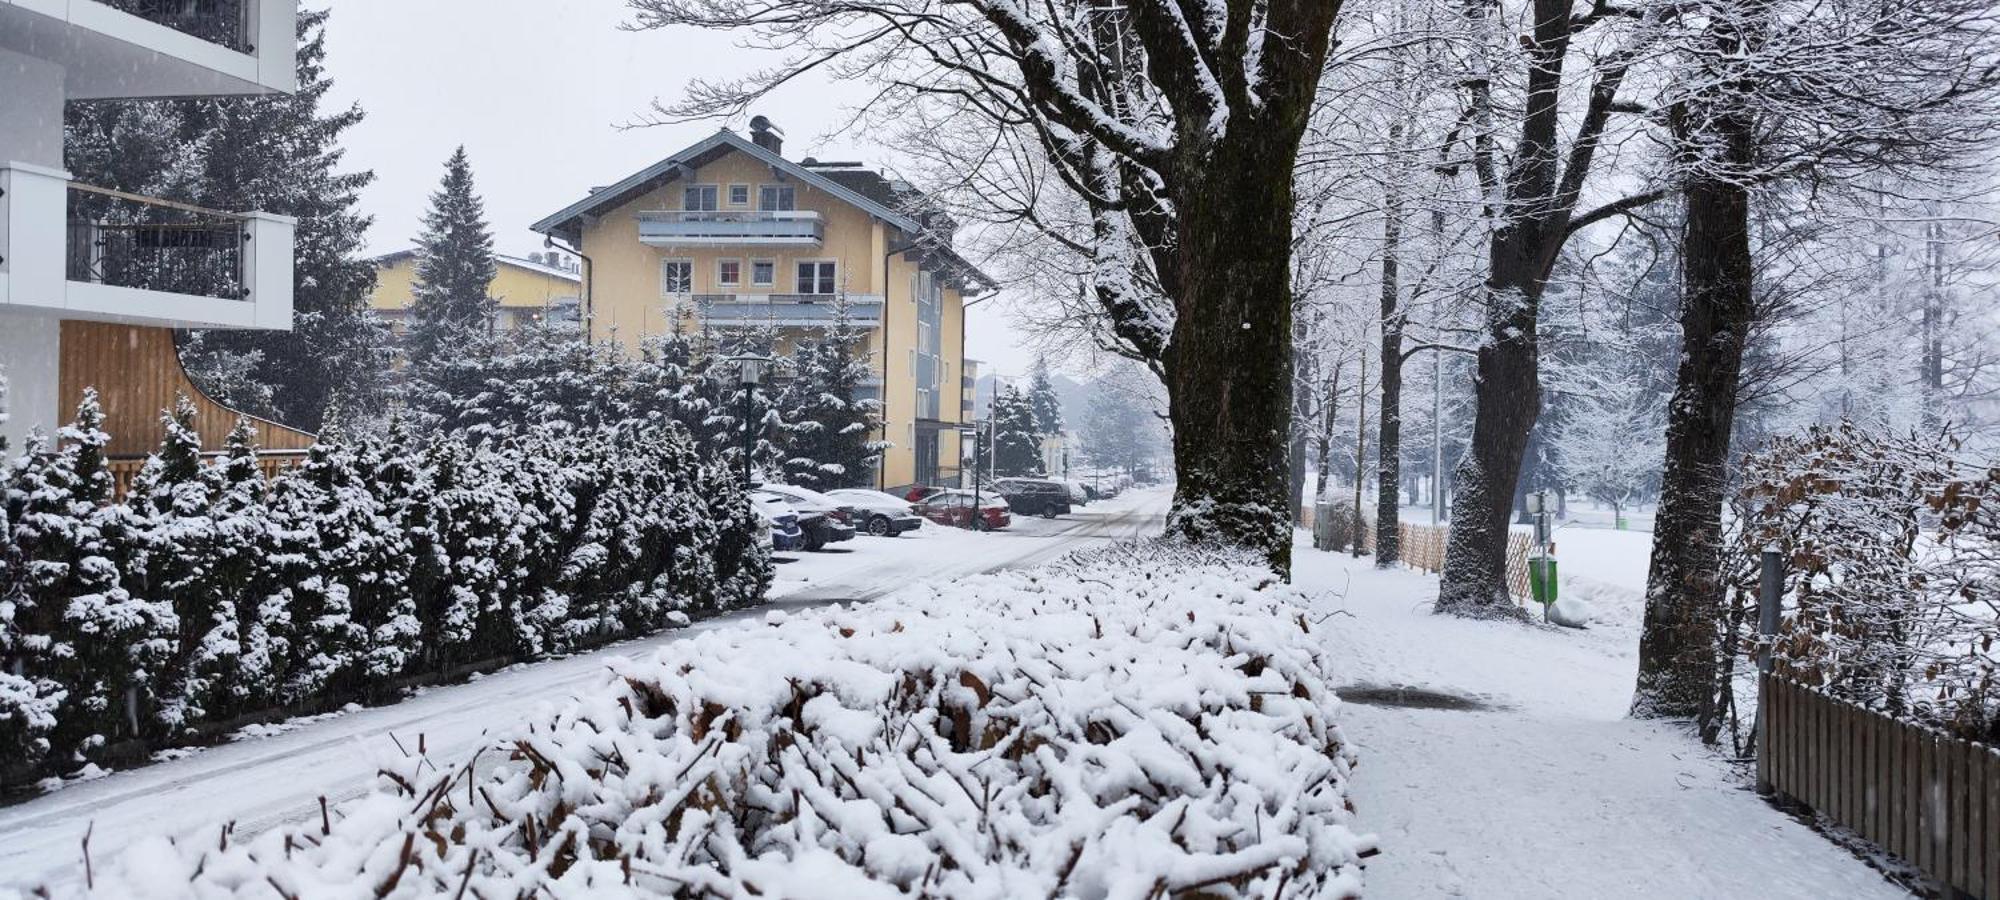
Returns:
point(628, 304)
point(518, 288)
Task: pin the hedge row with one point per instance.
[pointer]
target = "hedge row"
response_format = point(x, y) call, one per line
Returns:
point(210, 590)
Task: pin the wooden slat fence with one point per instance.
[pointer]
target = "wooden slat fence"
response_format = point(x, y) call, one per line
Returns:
point(270, 462)
point(1929, 798)
point(1423, 549)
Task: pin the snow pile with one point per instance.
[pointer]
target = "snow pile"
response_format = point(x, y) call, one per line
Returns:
point(1130, 722)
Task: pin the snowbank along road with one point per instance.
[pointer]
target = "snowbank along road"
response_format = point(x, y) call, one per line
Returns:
point(280, 776)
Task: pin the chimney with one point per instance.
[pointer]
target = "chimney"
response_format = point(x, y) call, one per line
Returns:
point(766, 135)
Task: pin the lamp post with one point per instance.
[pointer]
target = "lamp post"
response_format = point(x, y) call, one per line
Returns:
point(750, 368)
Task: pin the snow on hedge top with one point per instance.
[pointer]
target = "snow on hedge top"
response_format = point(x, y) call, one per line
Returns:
point(1130, 722)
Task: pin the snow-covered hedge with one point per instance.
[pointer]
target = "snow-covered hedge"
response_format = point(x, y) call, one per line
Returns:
point(210, 591)
point(1129, 723)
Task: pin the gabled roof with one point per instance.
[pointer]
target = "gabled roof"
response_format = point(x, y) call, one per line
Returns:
point(567, 222)
point(390, 259)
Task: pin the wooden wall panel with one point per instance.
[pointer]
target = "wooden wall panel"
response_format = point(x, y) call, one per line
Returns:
point(137, 373)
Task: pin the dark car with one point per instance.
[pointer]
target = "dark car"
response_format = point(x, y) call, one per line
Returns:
point(1035, 496)
point(822, 522)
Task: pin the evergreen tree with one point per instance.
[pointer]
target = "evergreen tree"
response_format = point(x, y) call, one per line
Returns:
point(1042, 397)
point(1017, 440)
point(277, 153)
point(450, 303)
point(832, 443)
point(115, 642)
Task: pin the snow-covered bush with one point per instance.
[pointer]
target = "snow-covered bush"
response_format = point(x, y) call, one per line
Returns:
point(1892, 551)
point(210, 592)
point(1140, 721)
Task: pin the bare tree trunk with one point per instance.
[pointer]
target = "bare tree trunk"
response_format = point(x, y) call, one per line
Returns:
point(1303, 373)
point(1360, 450)
point(1677, 646)
point(1389, 446)
point(1329, 414)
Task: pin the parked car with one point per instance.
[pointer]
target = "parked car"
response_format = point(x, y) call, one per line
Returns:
point(823, 522)
point(781, 520)
point(920, 493)
point(878, 513)
point(1035, 496)
point(1077, 495)
point(954, 508)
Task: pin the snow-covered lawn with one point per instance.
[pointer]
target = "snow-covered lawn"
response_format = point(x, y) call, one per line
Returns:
point(1133, 722)
point(270, 780)
point(1551, 792)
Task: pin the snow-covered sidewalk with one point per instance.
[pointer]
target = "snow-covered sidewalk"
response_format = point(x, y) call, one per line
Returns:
point(1551, 791)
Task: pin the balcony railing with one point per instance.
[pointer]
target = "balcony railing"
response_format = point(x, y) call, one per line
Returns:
point(125, 240)
point(224, 22)
point(801, 227)
point(818, 310)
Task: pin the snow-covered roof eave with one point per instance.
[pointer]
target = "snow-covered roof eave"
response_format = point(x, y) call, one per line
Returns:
point(561, 222)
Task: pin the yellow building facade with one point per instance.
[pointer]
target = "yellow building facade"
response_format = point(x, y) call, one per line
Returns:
point(526, 290)
point(730, 234)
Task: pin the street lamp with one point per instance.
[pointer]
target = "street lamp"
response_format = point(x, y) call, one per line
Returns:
point(750, 369)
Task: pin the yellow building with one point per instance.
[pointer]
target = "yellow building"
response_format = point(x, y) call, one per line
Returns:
point(528, 290)
point(730, 233)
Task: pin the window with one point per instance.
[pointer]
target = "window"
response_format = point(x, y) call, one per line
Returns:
point(676, 276)
point(699, 198)
point(729, 272)
point(739, 195)
point(816, 277)
point(763, 272)
point(775, 197)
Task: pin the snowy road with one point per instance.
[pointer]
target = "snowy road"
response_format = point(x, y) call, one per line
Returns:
point(266, 781)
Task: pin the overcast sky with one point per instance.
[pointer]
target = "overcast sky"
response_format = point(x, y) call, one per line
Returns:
point(536, 91)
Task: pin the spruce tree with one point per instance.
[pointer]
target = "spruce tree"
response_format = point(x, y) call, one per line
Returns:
point(277, 153)
point(1017, 440)
point(455, 268)
point(1042, 397)
point(832, 443)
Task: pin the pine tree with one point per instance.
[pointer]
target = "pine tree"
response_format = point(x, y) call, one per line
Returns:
point(455, 267)
point(277, 153)
point(832, 443)
point(1017, 441)
point(1042, 396)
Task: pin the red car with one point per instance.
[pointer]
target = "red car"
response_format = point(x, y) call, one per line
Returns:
point(954, 508)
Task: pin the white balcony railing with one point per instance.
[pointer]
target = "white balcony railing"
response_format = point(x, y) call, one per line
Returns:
point(159, 48)
point(787, 310)
point(801, 227)
point(90, 253)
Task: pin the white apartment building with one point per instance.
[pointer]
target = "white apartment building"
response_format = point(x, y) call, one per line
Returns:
point(93, 282)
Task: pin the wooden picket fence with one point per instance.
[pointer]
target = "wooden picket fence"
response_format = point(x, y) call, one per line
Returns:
point(1423, 549)
point(1931, 799)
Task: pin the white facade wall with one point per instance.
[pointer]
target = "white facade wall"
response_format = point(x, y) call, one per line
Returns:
point(29, 346)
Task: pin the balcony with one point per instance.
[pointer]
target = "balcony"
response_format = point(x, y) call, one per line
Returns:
point(779, 310)
point(115, 49)
point(82, 252)
point(731, 228)
point(224, 22)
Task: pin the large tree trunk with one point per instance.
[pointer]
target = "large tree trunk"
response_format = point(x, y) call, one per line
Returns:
point(1677, 647)
point(1389, 445)
point(1506, 404)
point(1229, 366)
